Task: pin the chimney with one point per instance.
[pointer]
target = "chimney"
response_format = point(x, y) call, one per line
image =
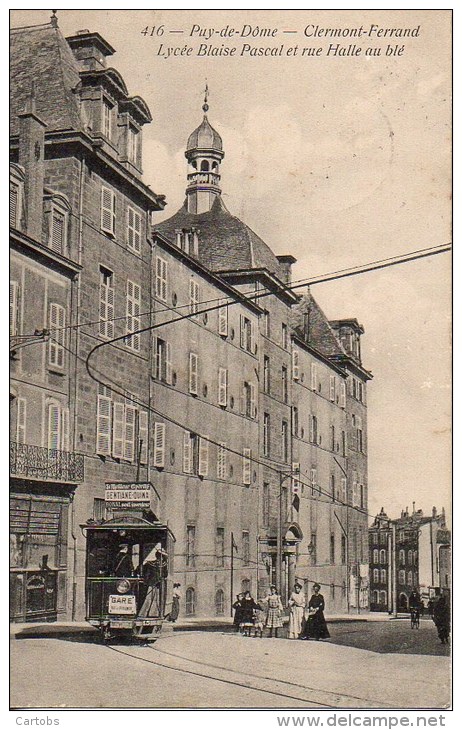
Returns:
point(434, 512)
point(90, 50)
point(306, 325)
point(286, 265)
point(31, 158)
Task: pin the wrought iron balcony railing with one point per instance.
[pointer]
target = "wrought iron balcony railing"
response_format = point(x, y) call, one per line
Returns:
point(37, 462)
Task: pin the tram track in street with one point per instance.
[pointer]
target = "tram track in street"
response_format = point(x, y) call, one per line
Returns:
point(287, 690)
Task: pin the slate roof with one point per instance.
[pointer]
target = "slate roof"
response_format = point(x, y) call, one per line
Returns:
point(41, 55)
point(321, 336)
point(205, 137)
point(225, 242)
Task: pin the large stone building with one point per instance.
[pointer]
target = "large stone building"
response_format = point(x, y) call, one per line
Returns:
point(247, 414)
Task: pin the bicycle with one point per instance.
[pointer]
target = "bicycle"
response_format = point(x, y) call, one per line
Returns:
point(415, 618)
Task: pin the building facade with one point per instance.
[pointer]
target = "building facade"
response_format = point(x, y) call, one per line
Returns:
point(174, 353)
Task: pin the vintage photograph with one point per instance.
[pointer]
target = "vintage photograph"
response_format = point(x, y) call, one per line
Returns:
point(230, 359)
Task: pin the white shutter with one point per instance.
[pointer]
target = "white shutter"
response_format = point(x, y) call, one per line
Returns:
point(295, 365)
point(246, 466)
point(222, 387)
point(64, 436)
point(168, 363)
point(159, 445)
point(243, 332)
point(57, 237)
point(161, 278)
point(203, 468)
point(56, 324)
point(103, 425)
point(14, 204)
point(253, 344)
point(314, 376)
point(143, 435)
point(107, 210)
point(14, 308)
point(118, 428)
point(21, 421)
point(223, 319)
point(342, 402)
point(134, 230)
point(193, 373)
point(332, 388)
point(253, 407)
point(133, 312)
point(129, 433)
point(106, 310)
point(187, 452)
point(242, 400)
point(54, 426)
point(221, 461)
point(193, 296)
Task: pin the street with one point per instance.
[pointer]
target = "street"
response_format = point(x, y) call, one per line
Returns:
point(220, 669)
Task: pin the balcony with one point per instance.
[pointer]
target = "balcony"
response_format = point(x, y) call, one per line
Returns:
point(47, 465)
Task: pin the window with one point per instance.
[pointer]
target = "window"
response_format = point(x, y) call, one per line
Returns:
point(332, 388)
point(103, 422)
point(359, 434)
point(343, 443)
point(332, 487)
point(220, 602)
point(189, 452)
point(220, 547)
point(15, 309)
point(285, 394)
point(143, 433)
point(221, 460)
point(99, 509)
point(133, 144)
point(313, 479)
point(266, 323)
point(223, 319)
point(343, 550)
point(284, 441)
point(15, 203)
point(383, 538)
point(332, 548)
point(56, 325)
point(410, 556)
point(266, 504)
point(108, 211)
point(129, 432)
point(246, 466)
point(402, 577)
point(295, 420)
point(247, 335)
point(190, 545)
point(248, 405)
point(203, 464)
point(133, 230)
point(222, 387)
point(193, 296)
point(190, 602)
point(133, 315)
point(193, 374)
point(342, 402)
point(375, 556)
point(284, 336)
point(245, 547)
point(121, 429)
point(375, 575)
point(106, 125)
point(314, 376)
point(106, 303)
point(343, 494)
point(21, 421)
point(266, 434)
point(402, 557)
point(163, 361)
point(295, 365)
point(266, 374)
point(161, 278)
point(159, 445)
point(58, 426)
point(56, 210)
point(332, 438)
point(313, 429)
point(383, 576)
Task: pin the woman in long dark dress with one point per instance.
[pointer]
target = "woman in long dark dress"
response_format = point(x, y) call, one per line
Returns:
point(315, 625)
point(248, 608)
point(441, 618)
point(237, 605)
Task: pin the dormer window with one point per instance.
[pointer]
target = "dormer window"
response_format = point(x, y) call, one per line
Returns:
point(106, 125)
point(56, 210)
point(133, 144)
point(16, 195)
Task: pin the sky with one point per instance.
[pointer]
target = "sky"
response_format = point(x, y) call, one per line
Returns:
point(338, 161)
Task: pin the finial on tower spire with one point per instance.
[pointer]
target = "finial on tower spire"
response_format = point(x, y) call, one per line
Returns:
point(205, 106)
point(54, 19)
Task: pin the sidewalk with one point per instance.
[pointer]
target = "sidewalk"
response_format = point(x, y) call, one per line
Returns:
point(198, 623)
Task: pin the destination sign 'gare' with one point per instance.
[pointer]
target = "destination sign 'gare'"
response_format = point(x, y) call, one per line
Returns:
point(120, 495)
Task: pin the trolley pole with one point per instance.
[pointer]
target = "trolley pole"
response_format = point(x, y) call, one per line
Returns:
point(232, 576)
point(393, 569)
point(279, 539)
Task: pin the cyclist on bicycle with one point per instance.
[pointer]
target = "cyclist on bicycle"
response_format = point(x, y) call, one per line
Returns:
point(415, 605)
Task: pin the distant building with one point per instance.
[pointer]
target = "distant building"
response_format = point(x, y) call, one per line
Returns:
point(418, 560)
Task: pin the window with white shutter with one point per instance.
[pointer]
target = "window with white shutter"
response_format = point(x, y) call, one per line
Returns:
point(332, 388)
point(106, 121)
point(14, 204)
point(203, 467)
point(106, 303)
point(295, 365)
point(103, 425)
point(56, 325)
point(129, 433)
point(221, 461)
point(188, 452)
point(159, 445)
point(133, 315)
point(21, 421)
point(58, 231)
point(222, 387)
point(193, 296)
point(253, 406)
point(223, 319)
point(108, 210)
point(161, 278)
point(133, 144)
point(133, 230)
point(246, 466)
point(118, 430)
point(342, 402)
point(64, 429)
point(15, 298)
point(54, 426)
point(143, 436)
point(193, 373)
point(314, 376)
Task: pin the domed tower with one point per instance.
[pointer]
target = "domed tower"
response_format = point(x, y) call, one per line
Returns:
point(204, 153)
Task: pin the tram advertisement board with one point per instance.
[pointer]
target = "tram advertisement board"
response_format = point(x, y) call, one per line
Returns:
point(126, 495)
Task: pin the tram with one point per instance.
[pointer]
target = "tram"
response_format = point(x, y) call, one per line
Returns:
point(128, 563)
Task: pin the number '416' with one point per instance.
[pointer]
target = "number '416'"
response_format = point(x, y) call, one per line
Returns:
point(152, 30)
